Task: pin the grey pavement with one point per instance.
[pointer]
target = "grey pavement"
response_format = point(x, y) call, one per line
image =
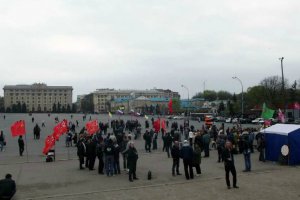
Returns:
point(63, 180)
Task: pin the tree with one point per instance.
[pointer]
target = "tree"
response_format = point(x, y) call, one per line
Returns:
point(68, 108)
point(63, 110)
point(54, 110)
point(74, 108)
point(221, 107)
point(19, 107)
point(14, 108)
point(24, 108)
point(224, 95)
point(58, 107)
point(210, 95)
point(176, 105)
point(198, 95)
point(234, 99)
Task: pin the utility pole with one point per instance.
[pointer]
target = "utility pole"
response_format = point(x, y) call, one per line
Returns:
point(282, 89)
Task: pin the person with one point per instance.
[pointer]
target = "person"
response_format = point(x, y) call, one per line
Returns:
point(147, 138)
point(43, 123)
point(246, 151)
point(169, 141)
point(117, 158)
point(91, 153)
point(155, 136)
point(2, 140)
point(36, 132)
point(186, 153)
point(21, 145)
point(191, 136)
point(197, 159)
point(220, 145)
point(109, 152)
point(261, 146)
point(81, 151)
point(229, 164)
point(100, 148)
point(175, 152)
point(206, 142)
point(132, 161)
point(7, 187)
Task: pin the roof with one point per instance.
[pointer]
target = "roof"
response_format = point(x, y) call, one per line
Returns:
point(35, 86)
point(157, 99)
point(281, 129)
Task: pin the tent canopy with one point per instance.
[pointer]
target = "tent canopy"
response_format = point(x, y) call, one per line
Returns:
point(283, 134)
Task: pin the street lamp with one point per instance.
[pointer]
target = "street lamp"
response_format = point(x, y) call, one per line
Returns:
point(242, 94)
point(188, 109)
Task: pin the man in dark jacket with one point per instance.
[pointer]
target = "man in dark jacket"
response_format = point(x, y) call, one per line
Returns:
point(132, 161)
point(91, 153)
point(175, 152)
point(100, 149)
point(81, 151)
point(109, 151)
point(36, 132)
point(7, 187)
point(148, 139)
point(169, 141)
point(186, 153)
point(229, 164)
point(21, 145)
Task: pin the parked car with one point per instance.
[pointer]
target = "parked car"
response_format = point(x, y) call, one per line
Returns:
point(245, 121)
point(228, 120)
point(235, 120)
point(220, 119)
point(258, 121)
point(178, 117)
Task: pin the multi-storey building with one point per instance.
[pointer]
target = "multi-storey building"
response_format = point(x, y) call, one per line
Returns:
point(38, 97)
point(102, 99)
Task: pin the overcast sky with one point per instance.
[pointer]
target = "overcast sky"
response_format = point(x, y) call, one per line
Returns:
point(140, 44)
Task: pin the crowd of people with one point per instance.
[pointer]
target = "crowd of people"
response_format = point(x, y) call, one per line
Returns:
point(180, 142)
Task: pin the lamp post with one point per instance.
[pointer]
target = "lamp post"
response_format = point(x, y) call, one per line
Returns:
point(283, 92)
point(236, 78)
point(188, 109)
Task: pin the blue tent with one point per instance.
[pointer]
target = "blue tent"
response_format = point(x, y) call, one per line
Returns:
point(283, 134)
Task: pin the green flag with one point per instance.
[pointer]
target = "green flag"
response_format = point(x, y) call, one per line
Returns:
point(267, 113)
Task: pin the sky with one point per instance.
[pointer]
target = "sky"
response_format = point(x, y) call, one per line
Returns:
point(142, 44)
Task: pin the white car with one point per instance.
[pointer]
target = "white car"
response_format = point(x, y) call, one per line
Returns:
point(228, 120)
point(235, 120)
point(178, 117)
point(258, 121)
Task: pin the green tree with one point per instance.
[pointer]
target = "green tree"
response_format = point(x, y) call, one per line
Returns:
point(19, 107)
point(24, 108)
point(224, 95)
point(68, 108)
point(221, 107)
point(58, 107)
point(198, 95)
point(234, 99)
point(63, 110)
point(54, 110)
point(210, 95)
point(176, 105)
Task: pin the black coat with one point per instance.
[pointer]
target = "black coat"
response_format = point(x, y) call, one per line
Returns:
point(175, 152)
point(81, 148)
point(132, 158)
point(7, 188)
point(228, 157)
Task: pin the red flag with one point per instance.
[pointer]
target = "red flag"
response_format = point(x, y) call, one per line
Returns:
point(92, 127)
point(268, 122)
point(156, 125)
point(60, 129)
point(18, 128)
point(170, 105)
point(49, 143)
point(163, 125)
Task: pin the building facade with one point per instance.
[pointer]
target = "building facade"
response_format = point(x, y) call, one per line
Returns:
point(37, 97)
point(105, 100)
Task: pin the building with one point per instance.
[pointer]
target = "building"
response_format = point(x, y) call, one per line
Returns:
point(105, 100)
point(37, 97)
